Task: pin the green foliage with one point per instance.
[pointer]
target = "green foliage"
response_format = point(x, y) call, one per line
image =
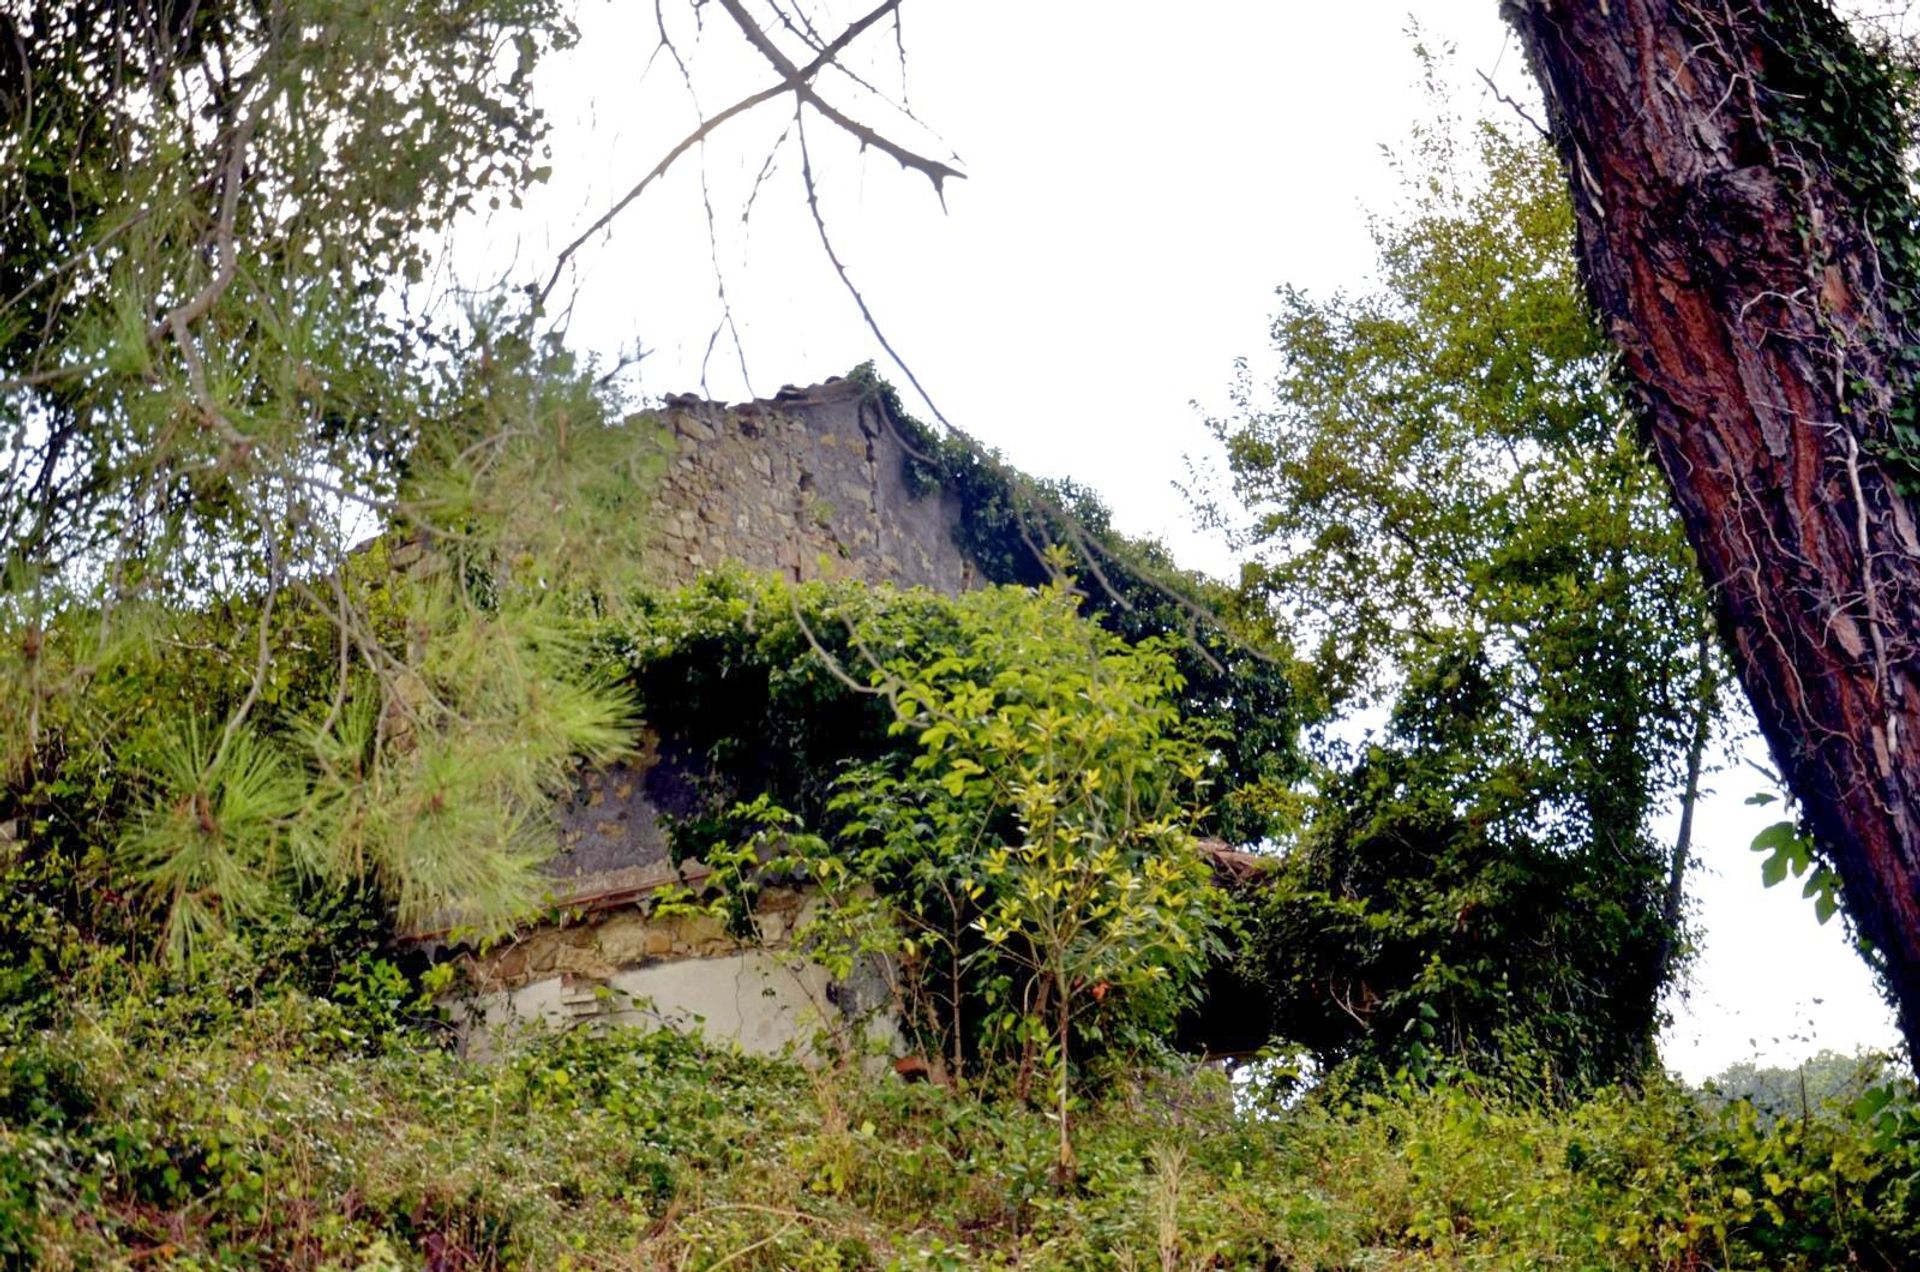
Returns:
point(1052, 788)
point(1424, 920)
point(214, 382)
point(1443, 492)
point(265, 1141)
point(1237, 666)
point(41, 948)
point(1827, 1085)
point(1790, 849)
point(205, 213)
point(225, 815)
point(1009, 813)
point(432, 781)
point(725, 671)
point(257, 1137)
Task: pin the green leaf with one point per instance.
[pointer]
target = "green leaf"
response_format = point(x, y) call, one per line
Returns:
point(1825, 906)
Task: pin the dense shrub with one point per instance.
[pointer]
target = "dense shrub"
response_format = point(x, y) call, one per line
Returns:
point(279, 1139)
point(991, 767)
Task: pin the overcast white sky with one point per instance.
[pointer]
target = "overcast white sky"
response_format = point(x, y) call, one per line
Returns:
point(1140, 177)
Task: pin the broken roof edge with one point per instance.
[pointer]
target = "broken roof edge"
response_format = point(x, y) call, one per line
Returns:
point(591, 894)
point(1233, 869)
point(835, 388)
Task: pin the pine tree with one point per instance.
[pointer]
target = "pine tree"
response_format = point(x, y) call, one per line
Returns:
point(291, 555)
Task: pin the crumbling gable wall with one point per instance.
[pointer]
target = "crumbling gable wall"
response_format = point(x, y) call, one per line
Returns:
point(809, 484)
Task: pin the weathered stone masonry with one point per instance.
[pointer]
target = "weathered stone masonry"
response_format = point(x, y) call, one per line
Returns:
point(810, 484)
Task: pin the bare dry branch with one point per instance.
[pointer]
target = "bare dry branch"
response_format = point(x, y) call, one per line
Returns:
point(796, 79)
point(846, 280)
point(935, 172)
point(1512, 105)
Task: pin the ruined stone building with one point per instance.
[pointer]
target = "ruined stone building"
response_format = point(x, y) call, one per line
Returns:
point(810, 484)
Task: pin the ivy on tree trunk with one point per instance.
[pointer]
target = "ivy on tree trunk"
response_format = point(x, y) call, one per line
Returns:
point(1747, 235)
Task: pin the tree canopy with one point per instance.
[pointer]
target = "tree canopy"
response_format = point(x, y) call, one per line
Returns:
point(1446, 496)
point(216, 379)
point(1747, 234)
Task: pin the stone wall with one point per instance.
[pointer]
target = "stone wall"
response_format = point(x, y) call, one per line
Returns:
point(808, 484)
point(624, 965)
point(630, 935)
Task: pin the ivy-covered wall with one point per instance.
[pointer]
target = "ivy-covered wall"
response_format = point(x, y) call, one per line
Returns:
point(810, 484)
point(835, 488)
point(838, 482)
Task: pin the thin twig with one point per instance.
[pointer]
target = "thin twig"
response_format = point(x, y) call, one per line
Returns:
point(1512, 105)
point(225, 240)
point(932, 169)
point(263, 656)
point(832, 663)
point(797, 77)
point(846, 280)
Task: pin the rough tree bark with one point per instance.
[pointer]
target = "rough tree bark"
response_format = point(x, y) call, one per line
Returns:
point(1744, 290)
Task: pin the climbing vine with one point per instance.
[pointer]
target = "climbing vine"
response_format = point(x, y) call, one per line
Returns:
point(1237, 665)
point(1839, 105)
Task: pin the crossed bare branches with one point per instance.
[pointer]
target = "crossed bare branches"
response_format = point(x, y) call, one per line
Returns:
point(795, 79)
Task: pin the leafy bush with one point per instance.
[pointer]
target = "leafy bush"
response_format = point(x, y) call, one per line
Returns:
point(1429, 916)
point(1025, 857)
point(263, 1141)
point(1237, 664)
point(272, 1141)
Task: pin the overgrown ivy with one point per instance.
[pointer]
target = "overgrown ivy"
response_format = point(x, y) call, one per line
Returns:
point(1840, 100)
point(1015, 787)
point(1424, 921)
point(1238, 667)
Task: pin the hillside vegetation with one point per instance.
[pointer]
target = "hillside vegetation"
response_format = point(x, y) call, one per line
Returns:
point(197, 1131)
point(318, 593)
point(1005, 812)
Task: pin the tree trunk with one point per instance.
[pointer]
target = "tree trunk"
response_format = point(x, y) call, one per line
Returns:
point(1064, 1169)
point(1706, 696)
point(1738, 276)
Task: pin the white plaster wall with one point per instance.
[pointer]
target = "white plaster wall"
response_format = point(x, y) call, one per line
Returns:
point(755, 999)
point(765, 1003)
